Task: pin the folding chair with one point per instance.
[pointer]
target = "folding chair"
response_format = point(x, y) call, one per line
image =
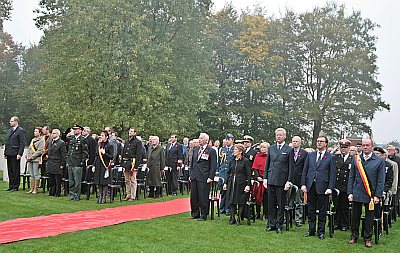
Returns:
point(26, 177)
point(141, 181)
point(183, 179)
point(250, 204)
point(213, 197)
point(290, 206)
point(117, 176)
point(164, 183)
point(89, 183)
point(331, 211)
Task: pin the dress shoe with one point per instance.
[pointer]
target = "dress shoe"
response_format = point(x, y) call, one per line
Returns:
point(14, 190)
point(353, 241)
point(130, 199)
point(279, 231)
point(175, 194)
point(125, 199)
point(222, 212)
point(202, 219)
point(269, 229)
point(321, 236)
point(368, 244)
point(343, 228)
point(308, 234)
point(9, 189)
point(232, 222)
point(194, 217)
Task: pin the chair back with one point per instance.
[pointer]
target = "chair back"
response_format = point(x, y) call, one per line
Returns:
point(142, 172)
point(117, 175)
point(291, 195)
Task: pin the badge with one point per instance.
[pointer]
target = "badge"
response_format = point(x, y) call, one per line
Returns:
point(205, 156)
point(76, 148)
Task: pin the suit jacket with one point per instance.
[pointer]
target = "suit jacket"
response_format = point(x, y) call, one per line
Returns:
point(15, 142)
point(388, 177)
point(57, 153)
point(299, 165)
point(92, 148)
point(203, 167)
point(375, 169)
point(173, 154)
point(395, 169)
point(251, 154)
point(342, 172)
point(279, 167)
point(322, 173)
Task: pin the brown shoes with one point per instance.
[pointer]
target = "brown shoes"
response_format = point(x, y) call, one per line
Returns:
point(368, 244)
point(353, 241)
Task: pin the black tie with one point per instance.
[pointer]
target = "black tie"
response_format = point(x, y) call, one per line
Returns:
point(319, 156)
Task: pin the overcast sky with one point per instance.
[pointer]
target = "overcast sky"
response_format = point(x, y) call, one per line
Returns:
point(383, 12)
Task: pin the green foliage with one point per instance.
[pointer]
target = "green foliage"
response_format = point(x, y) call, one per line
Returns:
point(5, 11)
point(125, 63)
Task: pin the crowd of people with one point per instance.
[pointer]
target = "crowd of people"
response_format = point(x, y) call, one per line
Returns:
point(361, 175)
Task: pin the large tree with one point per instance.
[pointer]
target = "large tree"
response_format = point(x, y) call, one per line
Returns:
point(125, 63)
point(327, 69)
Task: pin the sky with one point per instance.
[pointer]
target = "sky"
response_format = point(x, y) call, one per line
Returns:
point(385, 126)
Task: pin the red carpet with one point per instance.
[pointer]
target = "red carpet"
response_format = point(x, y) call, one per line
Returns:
point(55, 224)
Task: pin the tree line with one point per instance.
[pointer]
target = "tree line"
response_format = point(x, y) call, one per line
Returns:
point(176, 66)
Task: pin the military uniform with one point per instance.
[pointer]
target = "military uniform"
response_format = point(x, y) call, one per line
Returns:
point(78, 153)
point(343, 164)
point(225, 158)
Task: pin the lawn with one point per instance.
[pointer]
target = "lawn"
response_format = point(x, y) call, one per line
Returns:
point(168, 234)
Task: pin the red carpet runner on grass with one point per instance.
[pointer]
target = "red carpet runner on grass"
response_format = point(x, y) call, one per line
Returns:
point(55, 224)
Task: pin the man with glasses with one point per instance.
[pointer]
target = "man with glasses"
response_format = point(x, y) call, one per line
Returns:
point(318, 181)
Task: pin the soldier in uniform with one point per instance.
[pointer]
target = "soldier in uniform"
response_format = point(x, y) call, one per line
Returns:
point(78, 154)
point(225, 158)
point(249, 152)
point(131, 159)
point(343, 163)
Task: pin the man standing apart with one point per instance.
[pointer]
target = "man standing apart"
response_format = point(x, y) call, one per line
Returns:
point(77, 155)
point(13, 152)
point(278, 178)
point(318, 181)
point(202, 171)
point(131, 159)
point(365, 188)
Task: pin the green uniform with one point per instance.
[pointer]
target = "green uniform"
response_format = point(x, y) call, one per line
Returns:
point(78, 152)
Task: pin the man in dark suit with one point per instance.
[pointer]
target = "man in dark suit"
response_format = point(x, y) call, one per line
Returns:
point(202, 171)
point(13, 151)
point(92, 146)
point(173, 159)
point(57, 153)
point(318, 181)
point(343, 163)
point(278, 178)
point(299, 155)
point(374, 168)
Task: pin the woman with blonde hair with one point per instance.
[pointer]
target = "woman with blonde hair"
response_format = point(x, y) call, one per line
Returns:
point(258, 175)
point(238, 181)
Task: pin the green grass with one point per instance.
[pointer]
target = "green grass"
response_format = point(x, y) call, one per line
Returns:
point(169, 234)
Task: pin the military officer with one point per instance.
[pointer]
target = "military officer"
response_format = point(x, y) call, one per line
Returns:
point(343, 163)
point(225, 158)
point(249, 152)
point(78, 153)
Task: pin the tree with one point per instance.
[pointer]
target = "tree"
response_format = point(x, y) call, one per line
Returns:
point(5, 11)
point(331, 71)
point(124, 64)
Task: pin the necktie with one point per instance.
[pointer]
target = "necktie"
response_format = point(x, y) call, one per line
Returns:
point(279, 146)
point(296, 153)
point(199, 153)
point(319, 156)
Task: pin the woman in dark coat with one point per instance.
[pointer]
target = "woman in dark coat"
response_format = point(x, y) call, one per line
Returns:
point(238, 181)
point(155, 163)
point(102, 162)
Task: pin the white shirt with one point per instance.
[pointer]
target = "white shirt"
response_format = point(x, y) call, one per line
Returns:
point(320, 154)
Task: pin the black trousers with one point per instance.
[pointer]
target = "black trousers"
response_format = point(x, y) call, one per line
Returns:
point(276, 206)
point(199, 200)
point(355, 221)
point(55, 184)
point(14, 171)
point(172, 179)
point(342, 210)
point(317, 202)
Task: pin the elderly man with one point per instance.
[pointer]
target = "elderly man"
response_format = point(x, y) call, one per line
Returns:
point(13, 151)
point(392, 156)
point(365, 188)
point(202, 172)
point(300, 156)
point(278, 177)
point(57, 154)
